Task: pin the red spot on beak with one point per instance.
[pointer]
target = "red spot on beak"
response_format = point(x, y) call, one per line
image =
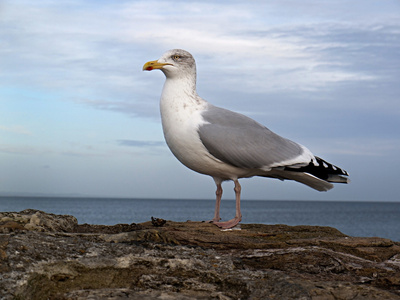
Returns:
point(149, 68)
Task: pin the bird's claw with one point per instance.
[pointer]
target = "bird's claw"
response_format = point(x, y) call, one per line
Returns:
point(228, 224)
point(213, 221)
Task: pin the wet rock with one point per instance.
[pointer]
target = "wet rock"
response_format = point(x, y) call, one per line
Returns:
point(158, 222)
point(46, 256)
point(87, 228)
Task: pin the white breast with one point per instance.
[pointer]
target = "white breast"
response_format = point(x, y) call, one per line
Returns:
point(181, 118)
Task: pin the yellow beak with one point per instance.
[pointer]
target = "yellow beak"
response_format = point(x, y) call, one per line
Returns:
point(154, 64)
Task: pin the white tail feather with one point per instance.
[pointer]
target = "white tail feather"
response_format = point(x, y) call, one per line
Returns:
point(305, 178)
point(338, 179)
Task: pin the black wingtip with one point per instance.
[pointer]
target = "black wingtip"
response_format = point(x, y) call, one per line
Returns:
point(323, 170)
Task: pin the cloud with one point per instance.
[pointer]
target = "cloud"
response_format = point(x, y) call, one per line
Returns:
point(137, 109)
point(324, 72)
point(145, 148)
point(36, 151)
point(17, 129)
point(13, 149)
point(97, 61)
point(140, 144)
point(380, 148)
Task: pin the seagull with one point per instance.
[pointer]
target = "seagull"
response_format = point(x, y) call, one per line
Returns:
point(227, 145)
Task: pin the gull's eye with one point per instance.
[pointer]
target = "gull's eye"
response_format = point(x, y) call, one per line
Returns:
point(175, 57)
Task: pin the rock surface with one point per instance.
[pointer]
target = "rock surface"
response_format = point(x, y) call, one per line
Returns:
point(47, 256)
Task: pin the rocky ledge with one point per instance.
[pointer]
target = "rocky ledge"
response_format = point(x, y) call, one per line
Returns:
point(47, 256)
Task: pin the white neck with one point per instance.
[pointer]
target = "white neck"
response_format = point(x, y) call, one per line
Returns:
point(180, 92)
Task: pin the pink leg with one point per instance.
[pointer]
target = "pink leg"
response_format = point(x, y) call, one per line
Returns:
point(238, 216)
point(218, 193)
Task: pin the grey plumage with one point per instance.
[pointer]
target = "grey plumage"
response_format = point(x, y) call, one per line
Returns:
point(243, 142)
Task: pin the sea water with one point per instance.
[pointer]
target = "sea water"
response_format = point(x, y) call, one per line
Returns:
point(363, 219)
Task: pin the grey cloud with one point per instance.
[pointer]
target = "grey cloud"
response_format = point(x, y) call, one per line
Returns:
point(137, 143)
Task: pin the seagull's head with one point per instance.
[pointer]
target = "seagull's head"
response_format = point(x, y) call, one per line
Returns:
point(173, 63)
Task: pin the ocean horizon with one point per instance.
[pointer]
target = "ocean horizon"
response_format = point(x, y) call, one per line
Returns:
point(354, 218)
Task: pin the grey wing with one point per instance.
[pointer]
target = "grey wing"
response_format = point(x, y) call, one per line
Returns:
point(242, 142)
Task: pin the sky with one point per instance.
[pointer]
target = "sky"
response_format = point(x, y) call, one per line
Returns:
point(79, 117)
